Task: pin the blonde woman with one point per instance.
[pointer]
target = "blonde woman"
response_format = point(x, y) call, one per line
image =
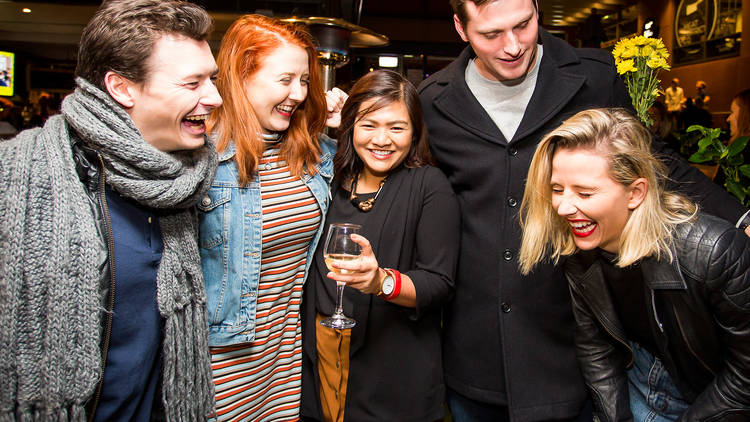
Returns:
point(659, 290)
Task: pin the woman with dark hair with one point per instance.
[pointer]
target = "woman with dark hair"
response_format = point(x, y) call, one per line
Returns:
point(388, 367)
point(264, 214)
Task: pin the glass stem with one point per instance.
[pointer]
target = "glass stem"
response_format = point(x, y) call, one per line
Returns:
point(339, 299)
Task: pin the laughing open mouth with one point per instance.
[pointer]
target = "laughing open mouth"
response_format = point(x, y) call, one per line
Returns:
point(582, 228)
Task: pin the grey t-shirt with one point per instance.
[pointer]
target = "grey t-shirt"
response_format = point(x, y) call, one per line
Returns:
point(504, 101)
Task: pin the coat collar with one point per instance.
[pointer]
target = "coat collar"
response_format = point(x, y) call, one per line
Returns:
point(662, 274)
point(458, 103)
point(584, 269)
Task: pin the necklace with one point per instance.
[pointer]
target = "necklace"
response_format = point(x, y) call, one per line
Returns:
point(364, 206)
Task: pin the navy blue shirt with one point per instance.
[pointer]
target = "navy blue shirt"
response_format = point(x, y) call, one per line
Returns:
point(133, 362)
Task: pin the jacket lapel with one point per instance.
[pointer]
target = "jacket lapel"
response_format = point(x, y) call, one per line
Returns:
point(459, 105)
point(382, 228)
point(585, 275)
point(555, 86)
point(663, 275)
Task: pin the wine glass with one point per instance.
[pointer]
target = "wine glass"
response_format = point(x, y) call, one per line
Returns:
point(340, 247)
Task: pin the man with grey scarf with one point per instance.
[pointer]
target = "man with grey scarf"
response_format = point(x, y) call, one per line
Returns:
point(102, 312)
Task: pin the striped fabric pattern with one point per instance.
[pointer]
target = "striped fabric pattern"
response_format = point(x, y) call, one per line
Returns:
point(261, 380)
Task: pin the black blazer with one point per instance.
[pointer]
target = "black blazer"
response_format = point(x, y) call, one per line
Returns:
point(395, 369)
point(509, 338)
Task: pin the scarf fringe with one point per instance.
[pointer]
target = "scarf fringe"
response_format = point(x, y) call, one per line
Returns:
point(72, 413)
point(187, 399)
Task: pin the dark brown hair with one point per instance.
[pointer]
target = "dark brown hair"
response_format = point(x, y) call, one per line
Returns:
point(121, 36)
point(384, 87)
point(459, 8)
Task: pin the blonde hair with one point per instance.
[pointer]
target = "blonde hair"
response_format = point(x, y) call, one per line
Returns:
point(626, 145)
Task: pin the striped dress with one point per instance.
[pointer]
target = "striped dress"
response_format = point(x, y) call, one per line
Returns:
point(261, 380)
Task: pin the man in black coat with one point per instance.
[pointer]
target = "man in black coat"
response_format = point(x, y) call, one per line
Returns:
point(508, 339)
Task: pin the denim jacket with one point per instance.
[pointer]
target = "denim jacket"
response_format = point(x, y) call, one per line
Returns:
point(230, 244)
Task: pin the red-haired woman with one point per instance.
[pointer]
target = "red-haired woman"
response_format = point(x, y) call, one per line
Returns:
point(263, 215)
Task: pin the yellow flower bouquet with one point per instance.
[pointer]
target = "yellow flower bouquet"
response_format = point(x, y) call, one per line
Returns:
point(639, 60)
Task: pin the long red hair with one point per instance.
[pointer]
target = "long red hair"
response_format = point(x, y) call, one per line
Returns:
point(249, 40)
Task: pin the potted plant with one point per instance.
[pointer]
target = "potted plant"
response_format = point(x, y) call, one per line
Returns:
point(729, 159)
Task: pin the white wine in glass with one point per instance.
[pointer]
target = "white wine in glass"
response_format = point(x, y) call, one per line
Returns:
point(340, 247)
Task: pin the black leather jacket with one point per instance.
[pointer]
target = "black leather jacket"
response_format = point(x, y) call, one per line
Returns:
point(699, 312)
point(89, 169)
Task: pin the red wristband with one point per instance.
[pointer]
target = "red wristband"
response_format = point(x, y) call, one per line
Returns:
point(397, 284)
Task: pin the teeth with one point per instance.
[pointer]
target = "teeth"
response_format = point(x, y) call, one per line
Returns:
point(582, 226)
point(197, 117)
point(285, 109)
point(380, 152)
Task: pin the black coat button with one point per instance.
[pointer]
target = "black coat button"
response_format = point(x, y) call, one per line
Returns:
point(507, 255)
point(512, 201)
point(513, 151)
point(505, 307)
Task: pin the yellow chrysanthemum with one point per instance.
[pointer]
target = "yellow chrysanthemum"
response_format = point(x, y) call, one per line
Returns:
point(630, 51)
point(640, 40)
point(617, 51)
point(658, 62)
point(638, 60)
point(626, 66)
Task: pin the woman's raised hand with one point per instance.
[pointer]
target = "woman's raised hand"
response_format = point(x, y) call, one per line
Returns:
point(335, 100)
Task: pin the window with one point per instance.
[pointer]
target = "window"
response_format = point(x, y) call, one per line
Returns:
point(707, 30)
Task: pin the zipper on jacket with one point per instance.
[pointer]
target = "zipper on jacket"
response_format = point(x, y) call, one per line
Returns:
point(687, 343)
point(111, 303)
point(656, 314)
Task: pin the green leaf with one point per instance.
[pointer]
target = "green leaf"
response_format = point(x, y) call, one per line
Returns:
point(736, 189)
point(705, 142)
point(734, 160)
point(745, 169)
point(738, 145)
point(701, 157)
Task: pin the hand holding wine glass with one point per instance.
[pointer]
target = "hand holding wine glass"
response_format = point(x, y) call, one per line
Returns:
point(365, 275)
point(340, 248)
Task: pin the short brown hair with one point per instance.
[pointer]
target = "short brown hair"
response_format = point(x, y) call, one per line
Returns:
point(121, 35)
point(459, 8)
point(382, 87)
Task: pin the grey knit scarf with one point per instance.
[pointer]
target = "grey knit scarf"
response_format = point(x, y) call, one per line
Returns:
point(50, 311)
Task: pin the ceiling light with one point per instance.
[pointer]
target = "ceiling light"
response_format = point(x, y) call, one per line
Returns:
point(26, 10)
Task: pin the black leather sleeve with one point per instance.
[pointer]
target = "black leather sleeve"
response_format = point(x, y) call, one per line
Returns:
point(727, 278)
point(602, 365)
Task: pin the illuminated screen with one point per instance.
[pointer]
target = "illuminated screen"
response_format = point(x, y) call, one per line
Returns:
point(7, 73)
